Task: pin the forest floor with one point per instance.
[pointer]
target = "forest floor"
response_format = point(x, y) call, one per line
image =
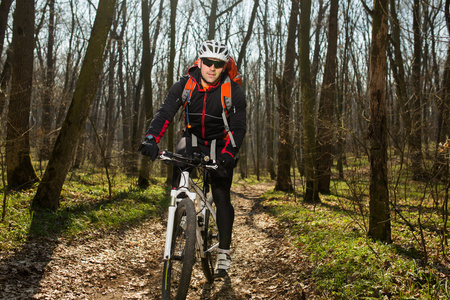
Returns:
point(127, 264)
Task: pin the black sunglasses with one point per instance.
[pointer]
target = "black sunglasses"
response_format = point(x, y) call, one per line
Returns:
point(218, 64)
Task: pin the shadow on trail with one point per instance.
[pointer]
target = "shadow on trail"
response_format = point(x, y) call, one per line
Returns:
point(273, 269)
point(21, 272)
point(23, 269)
point(225, 288)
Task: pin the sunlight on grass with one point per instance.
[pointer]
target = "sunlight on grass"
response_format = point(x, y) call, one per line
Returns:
point(331, 236)
point(84, 209)
point(347, 264)
point(14, 230)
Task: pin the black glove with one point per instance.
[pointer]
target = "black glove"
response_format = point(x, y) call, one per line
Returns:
point(149, 148)
point(226, 161)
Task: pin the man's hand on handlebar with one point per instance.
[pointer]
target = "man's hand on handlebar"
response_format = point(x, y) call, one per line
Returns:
point(150, 148)
point(226, 161)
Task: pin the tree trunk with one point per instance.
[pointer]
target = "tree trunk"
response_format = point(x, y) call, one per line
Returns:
point(49, 190)
point(309, 139)
point(110, 109)
point(71, 69)
point(398, 70)
point(415, 138)
point(326, 134)
point(170, 74)
point(148, 55)
point(284, 87)
point(343, 90)
point(317, 49)
point(314, 71)
point(440, 166)
point(20, 171)
point(248, 35)
point(379, 216)
point(49, 81)
point(445, 104)
point(4, 12)
point(125, 103)
point(243, 161)
point(212, 20)
point(267, 95)
point(5, 76)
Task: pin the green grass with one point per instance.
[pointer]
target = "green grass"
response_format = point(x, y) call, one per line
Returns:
point(346, 264)
point(85, 208)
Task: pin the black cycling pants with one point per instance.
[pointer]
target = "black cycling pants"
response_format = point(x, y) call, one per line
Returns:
point(220, 186)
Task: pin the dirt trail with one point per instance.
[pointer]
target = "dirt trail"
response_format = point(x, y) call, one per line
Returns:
point(127, 264)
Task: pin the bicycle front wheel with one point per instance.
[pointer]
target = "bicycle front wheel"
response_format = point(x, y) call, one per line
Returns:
point(178, 269)
point(210, 238)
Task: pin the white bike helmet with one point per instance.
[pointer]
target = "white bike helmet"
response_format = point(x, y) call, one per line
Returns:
point(214, 49)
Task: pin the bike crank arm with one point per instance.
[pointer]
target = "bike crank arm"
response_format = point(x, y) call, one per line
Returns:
point(212, 248)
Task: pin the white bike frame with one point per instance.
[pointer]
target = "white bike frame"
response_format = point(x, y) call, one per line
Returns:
point(186, 184)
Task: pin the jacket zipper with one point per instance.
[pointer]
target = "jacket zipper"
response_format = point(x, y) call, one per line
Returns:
point(204, 115)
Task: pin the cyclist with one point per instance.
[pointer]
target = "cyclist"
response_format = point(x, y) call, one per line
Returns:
point(206, 132)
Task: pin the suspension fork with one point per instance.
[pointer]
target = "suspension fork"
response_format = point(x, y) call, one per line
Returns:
point(182, 187)
point(170, 223)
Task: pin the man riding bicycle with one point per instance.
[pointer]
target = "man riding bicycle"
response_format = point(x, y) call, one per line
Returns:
point(207, 131)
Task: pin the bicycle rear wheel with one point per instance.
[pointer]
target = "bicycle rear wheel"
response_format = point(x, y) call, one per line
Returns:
point(210, 238)
point(178, 269)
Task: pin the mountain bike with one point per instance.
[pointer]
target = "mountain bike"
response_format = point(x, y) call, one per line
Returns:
point(192, 232)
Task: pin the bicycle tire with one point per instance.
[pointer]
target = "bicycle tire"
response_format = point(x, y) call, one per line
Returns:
point(177, 270)
point(210, 237)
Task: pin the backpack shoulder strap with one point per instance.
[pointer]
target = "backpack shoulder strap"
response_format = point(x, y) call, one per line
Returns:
point(226, 95)
point(186, 96)
point(187, 92)
point(226, 104)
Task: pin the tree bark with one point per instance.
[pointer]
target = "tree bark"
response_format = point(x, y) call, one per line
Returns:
point(5, 76)
point(4, 12)
point(268, 91)
point(284, 87)
point(20, 171)
point(212, 20)
point(71, 70)
point(49, 190)
point(49, 82)
point(379, 215)
point(398, 70)
point(170, 74)
point(148, 55)
point(248, 35)
point(445, 104)
point(326, 132)
point(317, 49)
point(125, 103)
point(415, 138)
point(309, 138)
point(110, 109)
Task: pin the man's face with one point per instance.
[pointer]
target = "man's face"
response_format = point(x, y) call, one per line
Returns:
point(211, 70)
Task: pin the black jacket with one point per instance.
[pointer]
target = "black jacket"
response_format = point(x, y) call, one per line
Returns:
point(205, 113)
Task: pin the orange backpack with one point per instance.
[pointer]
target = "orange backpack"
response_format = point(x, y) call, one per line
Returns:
point(233, 72)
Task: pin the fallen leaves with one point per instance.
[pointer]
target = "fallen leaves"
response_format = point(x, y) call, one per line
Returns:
point(127, 264)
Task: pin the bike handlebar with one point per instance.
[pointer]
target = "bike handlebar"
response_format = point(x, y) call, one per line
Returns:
point(195, 160)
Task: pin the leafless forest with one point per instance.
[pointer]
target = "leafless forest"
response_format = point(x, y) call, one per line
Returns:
point(335, 89)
